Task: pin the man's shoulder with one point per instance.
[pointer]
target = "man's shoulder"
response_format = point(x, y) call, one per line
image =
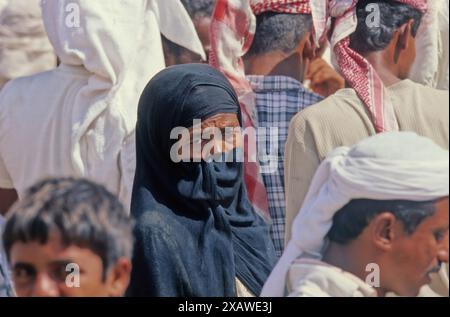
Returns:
point(409, 85)
point(418, 99)
point(328, 109)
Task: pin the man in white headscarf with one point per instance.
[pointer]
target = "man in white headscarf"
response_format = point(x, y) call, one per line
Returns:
point(79, 119)
point(24, 47)
point(375, 220)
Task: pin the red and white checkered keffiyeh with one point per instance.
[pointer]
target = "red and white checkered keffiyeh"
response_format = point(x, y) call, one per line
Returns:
point(358, 72)
point(232, 32)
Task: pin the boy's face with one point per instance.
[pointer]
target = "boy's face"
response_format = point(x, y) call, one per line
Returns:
point(56, 270)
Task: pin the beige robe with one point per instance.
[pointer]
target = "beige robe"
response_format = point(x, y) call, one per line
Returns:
point(342, 120)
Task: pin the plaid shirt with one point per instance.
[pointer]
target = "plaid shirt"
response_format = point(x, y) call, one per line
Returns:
point(278, 100)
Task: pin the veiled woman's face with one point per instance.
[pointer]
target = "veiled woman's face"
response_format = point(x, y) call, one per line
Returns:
point(218, 134)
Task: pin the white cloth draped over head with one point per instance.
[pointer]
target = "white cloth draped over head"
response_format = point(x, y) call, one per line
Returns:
point(116, 41)
point(87, 107)
point(24, 46)
point(389, 166)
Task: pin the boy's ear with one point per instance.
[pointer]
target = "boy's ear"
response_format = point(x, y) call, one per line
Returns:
point(405, 31)
point(119, 277)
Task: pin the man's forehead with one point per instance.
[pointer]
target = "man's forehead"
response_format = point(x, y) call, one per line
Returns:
point(442, 208)
point(440, 218)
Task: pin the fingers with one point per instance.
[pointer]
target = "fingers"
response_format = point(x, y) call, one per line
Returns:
point(316, 66)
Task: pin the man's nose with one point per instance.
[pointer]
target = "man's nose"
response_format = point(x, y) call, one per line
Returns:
point(443, 250)
point(443, 255)
point(44, 286)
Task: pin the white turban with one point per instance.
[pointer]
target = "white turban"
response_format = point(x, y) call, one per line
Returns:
point(389, 166)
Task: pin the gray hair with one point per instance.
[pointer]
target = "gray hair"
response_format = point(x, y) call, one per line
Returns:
point(279, 31)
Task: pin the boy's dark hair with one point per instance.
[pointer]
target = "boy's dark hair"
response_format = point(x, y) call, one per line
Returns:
point(393, 14)
point(81, 212)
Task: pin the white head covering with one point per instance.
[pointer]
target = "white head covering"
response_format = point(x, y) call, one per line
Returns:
point(118, 43)
point(24, 46)
point(389, 166)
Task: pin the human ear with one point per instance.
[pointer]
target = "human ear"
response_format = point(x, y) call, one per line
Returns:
point(382, 229)
point(119, 277)
point(405, 32)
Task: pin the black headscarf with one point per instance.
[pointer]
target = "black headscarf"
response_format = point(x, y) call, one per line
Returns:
point(196, 230)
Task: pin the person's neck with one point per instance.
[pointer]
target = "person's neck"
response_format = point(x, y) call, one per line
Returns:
point(388, 71)
point(276, 64)
point(351, 258)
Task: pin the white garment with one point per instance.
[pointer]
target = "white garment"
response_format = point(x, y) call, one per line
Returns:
point(312, 278)
point(79, 119)
point(397, 165)
point(431, 66)
point(24, 46)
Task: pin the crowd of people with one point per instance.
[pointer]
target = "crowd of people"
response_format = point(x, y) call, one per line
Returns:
point(224, 148)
